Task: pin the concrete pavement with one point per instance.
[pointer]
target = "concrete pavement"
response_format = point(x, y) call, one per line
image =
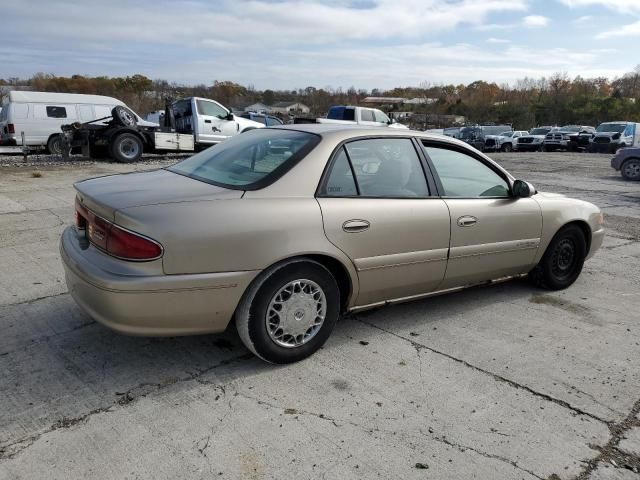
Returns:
point(501, 382)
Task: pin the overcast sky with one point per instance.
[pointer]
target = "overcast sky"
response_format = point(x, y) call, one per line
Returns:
point(297, 43)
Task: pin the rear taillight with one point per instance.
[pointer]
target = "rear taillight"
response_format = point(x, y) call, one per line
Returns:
point(11, 128)
point(113, 239)
point(131, 246)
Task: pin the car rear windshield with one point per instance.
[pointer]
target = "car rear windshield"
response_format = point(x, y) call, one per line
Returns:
point(249, 161)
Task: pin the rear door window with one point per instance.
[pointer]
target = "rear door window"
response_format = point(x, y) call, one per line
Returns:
point(387, 168)
point(340, 182)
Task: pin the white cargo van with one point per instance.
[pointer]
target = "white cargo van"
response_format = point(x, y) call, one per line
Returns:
point(41, 114)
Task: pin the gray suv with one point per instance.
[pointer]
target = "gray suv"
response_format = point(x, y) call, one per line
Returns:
point(627, 162)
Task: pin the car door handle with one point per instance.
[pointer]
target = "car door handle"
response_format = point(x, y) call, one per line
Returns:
point(354, 226)
point(207, 121)
point(467, 221)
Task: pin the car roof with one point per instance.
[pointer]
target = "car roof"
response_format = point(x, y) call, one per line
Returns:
point(340, 132)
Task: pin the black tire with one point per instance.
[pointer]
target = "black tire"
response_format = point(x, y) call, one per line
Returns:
point(562, 262)
point(123, 116)
point(507, 147)
point(630, 169)
point(126, 148)
point(256, 305)
point(54, 145)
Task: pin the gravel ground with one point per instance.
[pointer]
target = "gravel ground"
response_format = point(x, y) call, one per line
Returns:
point(502, 382)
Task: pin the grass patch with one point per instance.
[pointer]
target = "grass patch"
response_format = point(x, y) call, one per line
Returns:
point(36, 174)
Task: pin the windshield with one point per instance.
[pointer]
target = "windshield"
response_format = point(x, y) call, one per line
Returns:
point(612, 127)
point(506, 134)
point(539, 131)
point(570, 128)
point(249, 161)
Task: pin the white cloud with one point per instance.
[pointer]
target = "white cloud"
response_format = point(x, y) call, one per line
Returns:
point(498, 40)
point(630, 30)
point(307, 21)
point(535, 21)
point(583, 19)
point(621, 6)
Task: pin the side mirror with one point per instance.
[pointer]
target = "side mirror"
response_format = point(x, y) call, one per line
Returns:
point(522, 189)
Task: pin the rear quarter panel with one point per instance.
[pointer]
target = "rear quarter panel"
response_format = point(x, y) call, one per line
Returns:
point(234, 235)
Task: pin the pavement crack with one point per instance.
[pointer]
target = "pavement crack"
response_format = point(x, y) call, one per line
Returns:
point(495, 376)
point(500, 458)
point(610, 453)
point(33, 300)
point(10, 450)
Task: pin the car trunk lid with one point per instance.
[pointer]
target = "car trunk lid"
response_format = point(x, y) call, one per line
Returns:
point(106, 195)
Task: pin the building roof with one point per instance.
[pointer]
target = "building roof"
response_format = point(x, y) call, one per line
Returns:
point(383, 100)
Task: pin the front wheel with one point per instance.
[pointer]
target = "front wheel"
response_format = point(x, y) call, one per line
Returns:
point(507, 147)
point(126, 148)
point(562, 262)
point(631, 169)
point(288, 313)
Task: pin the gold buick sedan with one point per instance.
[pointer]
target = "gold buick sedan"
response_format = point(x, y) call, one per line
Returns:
point(282, 230)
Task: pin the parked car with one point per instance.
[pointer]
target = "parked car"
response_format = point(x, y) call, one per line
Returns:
point(610, 136)
point(558, 139)
point(263, 118)
point(284, 229)
point(533, 140)
point(41, 114)
point(452, 132)
point(504, 141)
point(581, 140)
point(188, 124)
point(627, 162)
point(341, 114)
point(476, 135)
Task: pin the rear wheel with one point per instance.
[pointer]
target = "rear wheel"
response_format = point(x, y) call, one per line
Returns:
point(562, 262)
point(126, 148)
point(288, 313)
point(631, 169)
point(54, 145)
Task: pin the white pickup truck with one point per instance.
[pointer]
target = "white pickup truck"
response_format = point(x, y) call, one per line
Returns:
point(359, 115)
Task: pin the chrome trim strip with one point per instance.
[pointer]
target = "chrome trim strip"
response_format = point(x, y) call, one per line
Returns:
point(494, 248)
point(401, 259)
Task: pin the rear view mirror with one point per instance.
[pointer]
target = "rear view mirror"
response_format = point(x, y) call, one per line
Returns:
point(522, 189)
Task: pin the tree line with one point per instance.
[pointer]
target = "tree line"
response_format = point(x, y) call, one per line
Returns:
point(556, 100)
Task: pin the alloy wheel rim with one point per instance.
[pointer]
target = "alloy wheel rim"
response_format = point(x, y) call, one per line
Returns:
point(632, 169)
point(296, 313)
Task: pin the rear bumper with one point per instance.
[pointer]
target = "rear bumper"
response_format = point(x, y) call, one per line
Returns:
point(159, 305)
